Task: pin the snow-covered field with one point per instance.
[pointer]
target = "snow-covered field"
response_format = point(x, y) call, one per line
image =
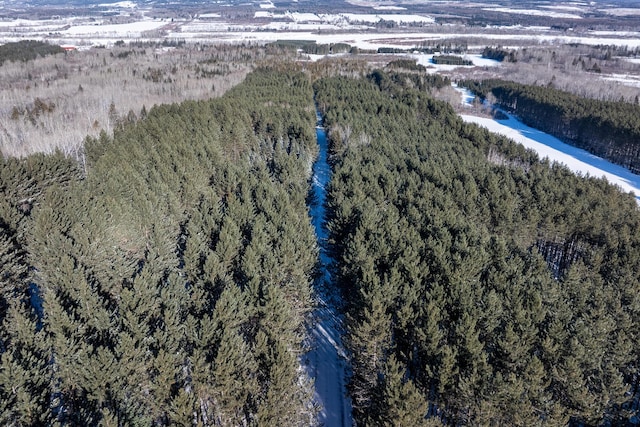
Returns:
point(573, 8)
point(625, 79)
point(477, 59)
point(131, 30)
point(622, 11)
point(372, 19)
point(122, 4)
point(534, 12)
point(357, 29)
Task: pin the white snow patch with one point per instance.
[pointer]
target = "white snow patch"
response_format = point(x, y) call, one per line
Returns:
point(294, 26)
point(389, 8)
point(625, 79)
point(372, 40)
point(134, 29)
point(123, 4)
point(564, 7)
point(534, 12)
point(615, 33)
point(398, 18)
point(362, 17)
point(209, 15)
point(267, 5)
point(204, 27)
point(315, 58)
point(467, 95)
point(83, 32)
point(33, 24)
point(478, 61)
point(621, 11)
point(545, 145)
point(304, 17)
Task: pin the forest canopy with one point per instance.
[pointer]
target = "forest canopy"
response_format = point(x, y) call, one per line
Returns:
point(26, 50)
point(483, 286)
point(169, 285)
point(167, 278)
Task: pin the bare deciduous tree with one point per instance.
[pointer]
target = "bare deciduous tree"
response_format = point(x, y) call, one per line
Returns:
point(95, 89)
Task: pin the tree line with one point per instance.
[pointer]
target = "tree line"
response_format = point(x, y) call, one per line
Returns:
point(170, 284)
point(26, 50)
point(609, 129)
point(483, 286)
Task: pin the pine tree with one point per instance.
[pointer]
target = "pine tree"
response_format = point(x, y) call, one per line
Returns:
point(404, 404)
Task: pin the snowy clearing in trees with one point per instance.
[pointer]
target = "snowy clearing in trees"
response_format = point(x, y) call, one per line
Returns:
point(579, 161)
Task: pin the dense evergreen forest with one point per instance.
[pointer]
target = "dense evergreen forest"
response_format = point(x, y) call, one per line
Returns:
point(451, 60)
point(605, 128)
point(169, 284)
point(499, 54)
point(27, 50)
point(483, 286)
point(166, 278)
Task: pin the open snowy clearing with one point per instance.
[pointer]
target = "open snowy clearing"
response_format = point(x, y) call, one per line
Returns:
point(135, 29)
point(625, 79)
point(389, 8)
point(345, 18)
point(534, 12)
point(477, 59)
point(621, 11)
point(579, 161)
point(400, 39)
point(356, 17)
point(564, 7)
point(122, 4)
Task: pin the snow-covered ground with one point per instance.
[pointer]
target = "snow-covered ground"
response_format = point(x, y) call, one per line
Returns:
point(326, 362)
point(355, 29)
point(625, 79)
point(374, 18)
point(398, 39)
point(576, 159)
point(123, 4)
point(134, 29)
point(477, 59)
point(565, 7)
point(579, 161)
point(622, 11)
point(535, 12)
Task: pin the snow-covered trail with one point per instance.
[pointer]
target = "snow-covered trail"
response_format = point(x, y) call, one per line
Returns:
point(326, 362)
point(576, 159)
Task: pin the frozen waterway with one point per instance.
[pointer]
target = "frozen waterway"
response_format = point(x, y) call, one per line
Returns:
point(576, 159)
point(326, 362)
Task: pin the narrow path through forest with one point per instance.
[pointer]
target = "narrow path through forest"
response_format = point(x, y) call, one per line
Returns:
point(326, 362)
